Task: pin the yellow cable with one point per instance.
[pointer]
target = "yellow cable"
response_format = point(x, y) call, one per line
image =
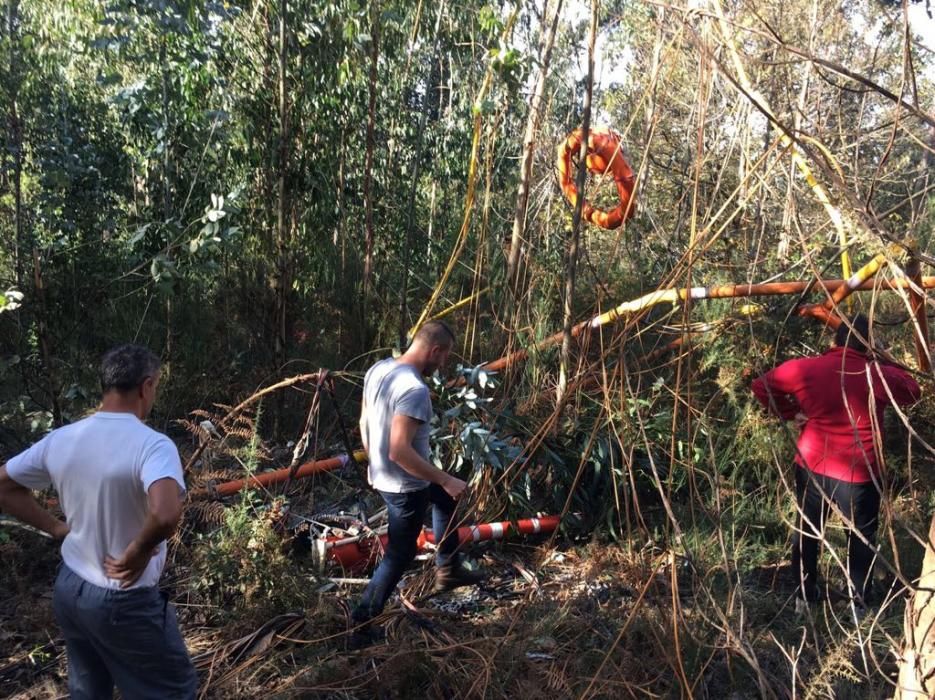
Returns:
point(469, 195)
point(454, 307)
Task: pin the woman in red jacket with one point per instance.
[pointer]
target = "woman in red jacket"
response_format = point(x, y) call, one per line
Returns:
point(837, 399)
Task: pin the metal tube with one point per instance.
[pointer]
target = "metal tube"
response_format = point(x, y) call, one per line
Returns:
point(720, 292)
point(280, 475)
point(826, 311)
point(752, 290)
point(497, 531)
point(357, 553)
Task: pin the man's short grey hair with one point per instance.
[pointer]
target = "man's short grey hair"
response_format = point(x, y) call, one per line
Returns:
point(435, 333)
point(125, 367)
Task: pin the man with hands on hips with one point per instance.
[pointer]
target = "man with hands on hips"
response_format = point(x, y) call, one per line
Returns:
point(120, 486)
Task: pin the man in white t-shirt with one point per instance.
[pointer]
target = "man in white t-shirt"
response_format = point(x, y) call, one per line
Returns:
point(120, 486)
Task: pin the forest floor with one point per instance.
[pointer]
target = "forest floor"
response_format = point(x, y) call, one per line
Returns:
point(556, 618)
point(589, 620)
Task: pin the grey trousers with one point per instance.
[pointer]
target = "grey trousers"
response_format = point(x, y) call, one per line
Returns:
point(128, 637)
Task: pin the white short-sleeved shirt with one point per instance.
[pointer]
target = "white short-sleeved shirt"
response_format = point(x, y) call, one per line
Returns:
point(395, 388)
point(102, 467)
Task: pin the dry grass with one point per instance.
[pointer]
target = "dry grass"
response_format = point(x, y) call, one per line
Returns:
point(593, 621)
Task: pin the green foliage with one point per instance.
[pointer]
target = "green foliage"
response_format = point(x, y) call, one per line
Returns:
point(244, 564)
point(11, 300)
point(178, 173)
point(465, 432)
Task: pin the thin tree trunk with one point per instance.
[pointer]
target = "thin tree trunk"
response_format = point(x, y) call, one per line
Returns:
point(571, 258)
point(282, 206)
point(42, 335)
point(166, 163)
point(16, 144)
point(414, 174)
point(282, 203)
point(917, 665)
point(166, 188)
point(789, 209)
point(430, 232)
point(683, 370)
point(339, 233)
point(533, 120)
point(368, 161)
point(19, 243)
point(650, 118)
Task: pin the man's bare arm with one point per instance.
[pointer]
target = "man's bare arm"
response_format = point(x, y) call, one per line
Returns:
point(165, 511)
point(402, 433)
point(19, 502)
point(364, 438)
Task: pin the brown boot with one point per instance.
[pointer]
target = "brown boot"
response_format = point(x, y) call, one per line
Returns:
point(455, 575)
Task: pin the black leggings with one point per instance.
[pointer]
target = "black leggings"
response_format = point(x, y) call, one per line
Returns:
point(860, 504)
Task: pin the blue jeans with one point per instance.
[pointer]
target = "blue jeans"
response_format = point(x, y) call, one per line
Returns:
point(128, 637)
point(406, 511)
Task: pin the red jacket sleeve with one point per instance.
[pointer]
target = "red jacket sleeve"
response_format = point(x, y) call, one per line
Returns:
point(895, 381)
point(776, 390)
